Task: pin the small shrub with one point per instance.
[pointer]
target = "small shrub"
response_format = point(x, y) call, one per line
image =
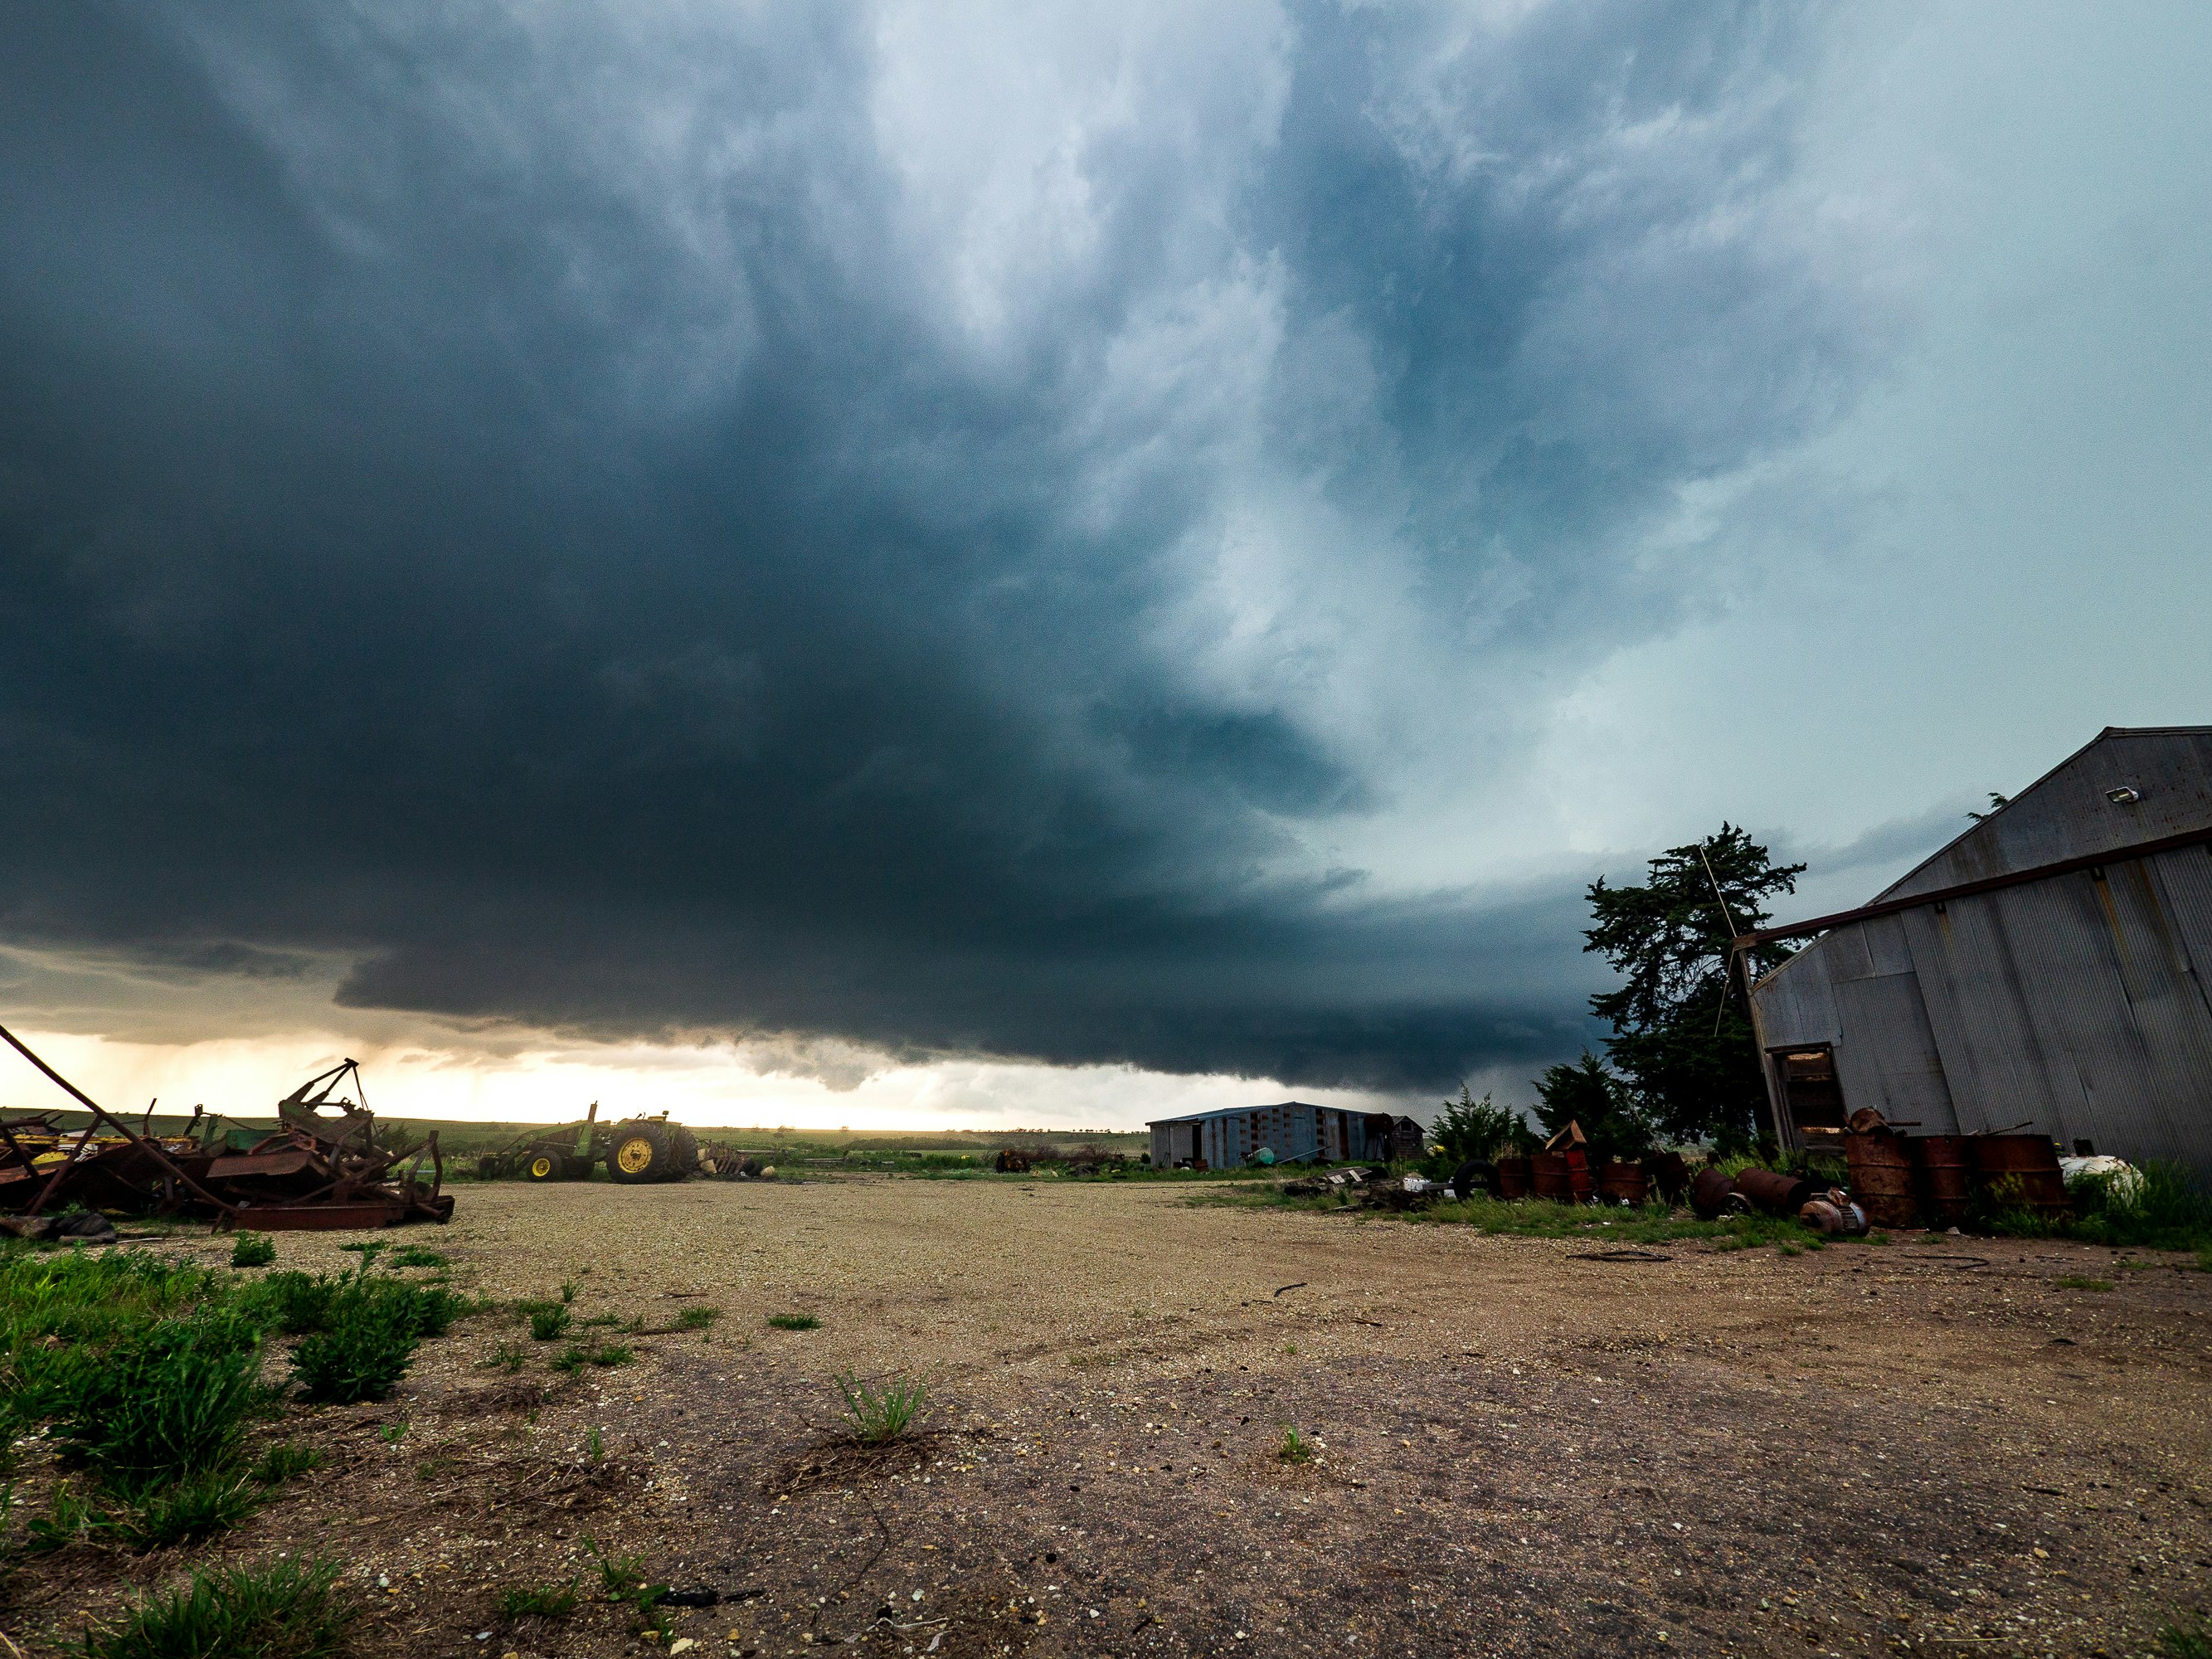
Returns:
point(794, 1321)
point(166, 1404)
point(508, 1357)
point(541, 1601)
point(623, 1578)
point(253, 1250)
point(192, 1509)
point(877, 1417)
point(287, 1463)
point(570, 1360)
point(1295, 1447)
point(279, 1610)
point(362, 1355)
point(611, 1353)
point(414, 1255)
point(295, 1302)
point(548, 1323)
point(697, 1318)
point(2076, 1282)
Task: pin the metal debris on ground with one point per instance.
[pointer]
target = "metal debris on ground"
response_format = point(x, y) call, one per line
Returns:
point(323, 1167)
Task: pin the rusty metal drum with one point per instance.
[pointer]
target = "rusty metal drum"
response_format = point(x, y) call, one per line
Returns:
point(2020, 1172)
point(1513, 1177)
point(1619, 1182)
point(1775, 1192)
point(1548, 1177)
point(1942, 1166)
point(1710, 1194)
point(1882, 1178)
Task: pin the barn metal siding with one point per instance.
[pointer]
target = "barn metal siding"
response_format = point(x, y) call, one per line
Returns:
point(2075, 1004)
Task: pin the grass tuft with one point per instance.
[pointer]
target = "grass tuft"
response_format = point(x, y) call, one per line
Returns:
point(414, 1255)
point(539, 1601)
point(2077, 1282)
point(611, 1353)
point(794, 1321)
point(1295, 1447)
point(876, 1417)
point(697, 1318)
point(253, 1250)
point(624, 1579)
point(277, 1610)
point(285, 1462)
point(2191, 1639)
point(549, 1320)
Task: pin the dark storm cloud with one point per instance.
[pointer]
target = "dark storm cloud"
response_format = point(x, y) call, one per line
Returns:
point(544, 503)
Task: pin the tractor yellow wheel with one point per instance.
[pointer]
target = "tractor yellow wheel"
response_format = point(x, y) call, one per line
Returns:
point(542, 1168)
point(635, 1156)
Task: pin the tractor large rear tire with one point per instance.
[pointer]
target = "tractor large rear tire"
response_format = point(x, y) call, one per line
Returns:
point(650, 1149)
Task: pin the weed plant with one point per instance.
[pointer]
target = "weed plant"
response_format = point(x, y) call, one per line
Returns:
point(697, 1318)
point(624, 1579)
point(876, 1417)
point(1295, 1447)
point(571, 1360)
point(794, 1321)
point(253, 1250)
point(414, 1255)
point(368, 1338)
point(285, 1462)
point(609, 1354)
point(508, 1357)
point(277, 1610)
point(539, 1601)
point(2192, 1638)
point(549, 1320)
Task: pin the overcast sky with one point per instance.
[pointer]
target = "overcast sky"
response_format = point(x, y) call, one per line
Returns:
point(904, 563)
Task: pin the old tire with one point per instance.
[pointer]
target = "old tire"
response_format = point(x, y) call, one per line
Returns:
point(651, 1149)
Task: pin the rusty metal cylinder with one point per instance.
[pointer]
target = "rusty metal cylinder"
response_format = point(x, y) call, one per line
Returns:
point(2020, 1172)
point(1773, 1192)
point(1942, 1168)
point(1619, 1183)
point(1548, 1177)
point(1513, 1177)
point(1710, 1194)
point(1882, 1178)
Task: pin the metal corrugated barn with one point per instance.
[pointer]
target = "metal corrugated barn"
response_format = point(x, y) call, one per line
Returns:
point(2046, 970)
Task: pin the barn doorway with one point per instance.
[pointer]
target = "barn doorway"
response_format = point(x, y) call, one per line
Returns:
point(1813, 1096)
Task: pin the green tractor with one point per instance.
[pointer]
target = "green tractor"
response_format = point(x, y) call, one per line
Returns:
point(637, 1150)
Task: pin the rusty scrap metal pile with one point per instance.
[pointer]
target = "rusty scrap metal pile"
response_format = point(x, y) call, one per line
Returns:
point(323, 1167)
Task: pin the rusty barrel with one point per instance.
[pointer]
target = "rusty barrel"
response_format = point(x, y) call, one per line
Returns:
point(1669, 1173)
point(1775, 1192)
point(1620, 1182)
point(1943, 1166)
point(1882, 1178)
point(1710, 1192)
point(1513, 1177)
point(1548, 1177)
point(1579, 1184)
point(2020, 1172)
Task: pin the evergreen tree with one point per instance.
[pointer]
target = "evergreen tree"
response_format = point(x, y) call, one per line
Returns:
point(1590, 1096)
point(1681, 1036)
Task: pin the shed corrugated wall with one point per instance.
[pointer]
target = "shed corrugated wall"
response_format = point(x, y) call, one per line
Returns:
point(2076, 1004)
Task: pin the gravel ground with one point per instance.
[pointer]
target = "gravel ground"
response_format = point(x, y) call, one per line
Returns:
point(1929, 1446)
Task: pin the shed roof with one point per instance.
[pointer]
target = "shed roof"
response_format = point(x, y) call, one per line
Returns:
point(1233, 1111)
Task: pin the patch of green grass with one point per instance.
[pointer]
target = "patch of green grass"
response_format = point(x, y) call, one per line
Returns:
point(367, 1349)
point(414, 1255)
point(876, 1417)
point(539, 1601)
point(1534, 1218)
point(570, 1360)
point(367, 1249)
point(1295, 1447)
point(697, 1318)
point(549, 1321)
point(167, 1404)
point(1786, 1249)
point(624, 1579)
point(508, 1357)
point(253, 1250)
point(2076, 1282)
point(192, 1509)
point(595, 1444)
point(276, 1610)
point(2192, 1638)
point(392, 1433)
point(611, 1353)
point(71, 1518)
point(287, 1461)
point(794, 1321)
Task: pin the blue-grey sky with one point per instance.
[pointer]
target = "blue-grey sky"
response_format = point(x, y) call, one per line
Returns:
point(1140, 544)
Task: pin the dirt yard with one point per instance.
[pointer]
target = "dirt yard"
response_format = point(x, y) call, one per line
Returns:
point(1932, 1446)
